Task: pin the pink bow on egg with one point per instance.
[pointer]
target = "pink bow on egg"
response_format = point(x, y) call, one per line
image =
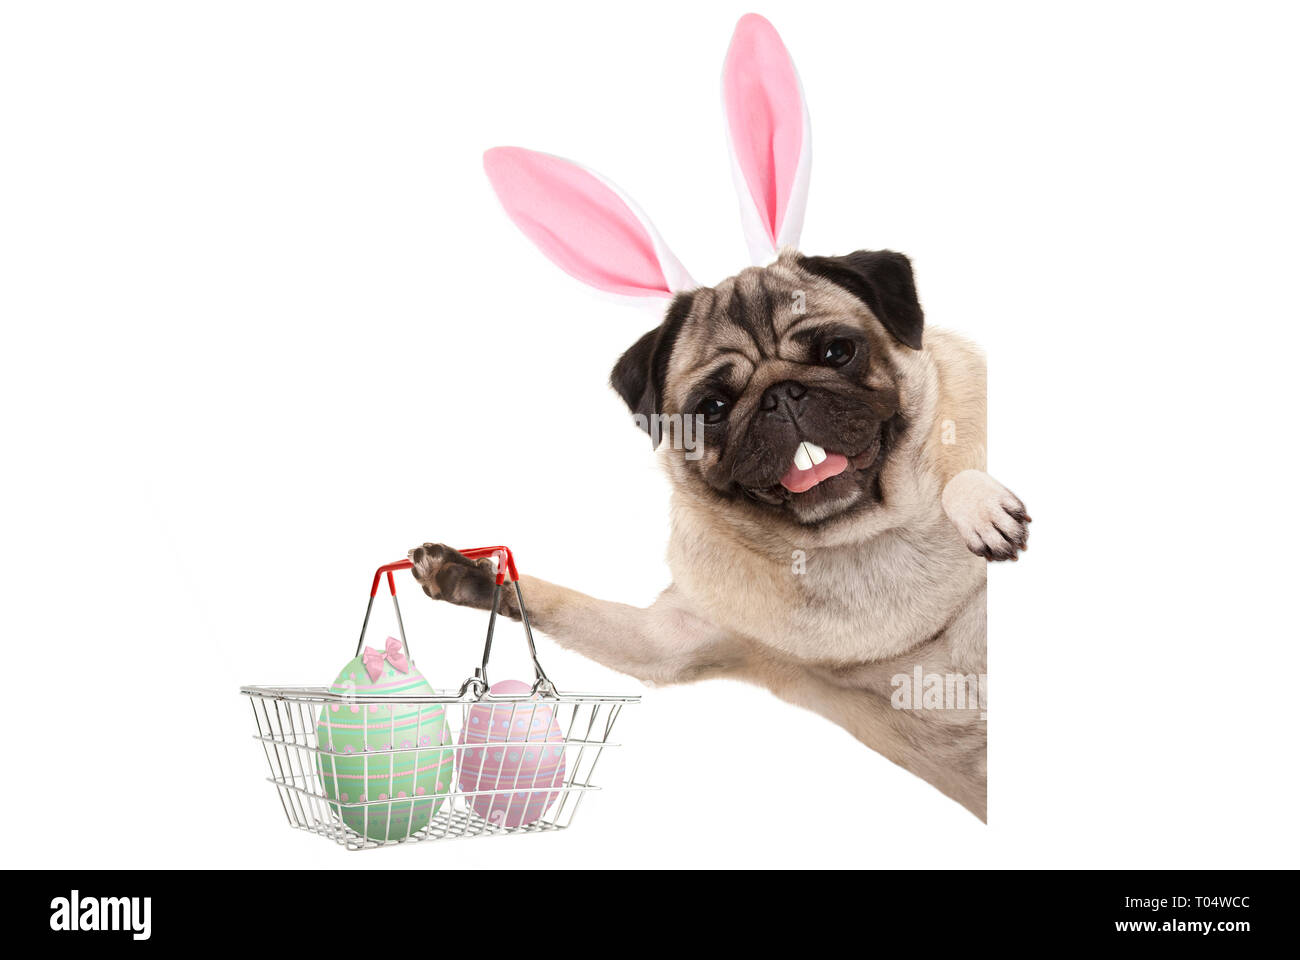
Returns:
point(373, 659)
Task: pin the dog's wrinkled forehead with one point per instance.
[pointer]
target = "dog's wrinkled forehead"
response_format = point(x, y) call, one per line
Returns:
point(761, 315)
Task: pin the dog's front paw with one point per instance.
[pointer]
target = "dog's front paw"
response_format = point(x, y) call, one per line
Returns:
point(989, 517)
point(446, 574)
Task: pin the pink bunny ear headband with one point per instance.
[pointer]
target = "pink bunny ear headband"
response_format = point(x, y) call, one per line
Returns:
point(591, 230)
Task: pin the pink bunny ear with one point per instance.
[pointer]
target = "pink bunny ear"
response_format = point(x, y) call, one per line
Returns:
point(769, 135)
point(584, 224)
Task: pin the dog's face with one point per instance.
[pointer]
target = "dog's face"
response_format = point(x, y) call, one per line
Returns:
point(791, 370)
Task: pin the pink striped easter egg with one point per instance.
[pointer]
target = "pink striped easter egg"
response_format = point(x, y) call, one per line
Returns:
point(512, 747)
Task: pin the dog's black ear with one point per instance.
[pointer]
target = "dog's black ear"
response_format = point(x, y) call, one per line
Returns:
point(639, 375)
point(882, 279)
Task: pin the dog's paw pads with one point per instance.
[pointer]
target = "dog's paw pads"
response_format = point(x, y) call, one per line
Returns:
point(447, 574)
point(426, 561)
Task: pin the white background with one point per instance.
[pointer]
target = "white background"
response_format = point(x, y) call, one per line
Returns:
point(265, 327)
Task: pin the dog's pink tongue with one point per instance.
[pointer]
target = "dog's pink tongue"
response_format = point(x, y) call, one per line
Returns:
point(797, 481)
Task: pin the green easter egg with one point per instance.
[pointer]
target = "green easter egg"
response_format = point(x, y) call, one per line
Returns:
point(409, 785)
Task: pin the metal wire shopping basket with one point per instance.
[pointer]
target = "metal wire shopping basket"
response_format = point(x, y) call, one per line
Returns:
point(380, 757)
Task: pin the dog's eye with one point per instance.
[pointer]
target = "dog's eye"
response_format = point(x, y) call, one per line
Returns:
point(712, 409)
point(837, 353)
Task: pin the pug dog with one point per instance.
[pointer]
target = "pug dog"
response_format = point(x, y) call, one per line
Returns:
point(830, 534)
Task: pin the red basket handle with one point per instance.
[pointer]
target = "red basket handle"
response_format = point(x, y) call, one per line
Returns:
point(505, 562)
point(478, 683)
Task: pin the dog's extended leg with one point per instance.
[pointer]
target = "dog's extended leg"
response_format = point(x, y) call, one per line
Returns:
point(989, 517)
point(662, 643)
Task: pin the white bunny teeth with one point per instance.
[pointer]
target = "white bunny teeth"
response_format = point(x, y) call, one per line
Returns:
point(808, 455)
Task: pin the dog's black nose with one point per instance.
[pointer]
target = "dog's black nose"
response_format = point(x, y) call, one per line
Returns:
point(786, 388)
